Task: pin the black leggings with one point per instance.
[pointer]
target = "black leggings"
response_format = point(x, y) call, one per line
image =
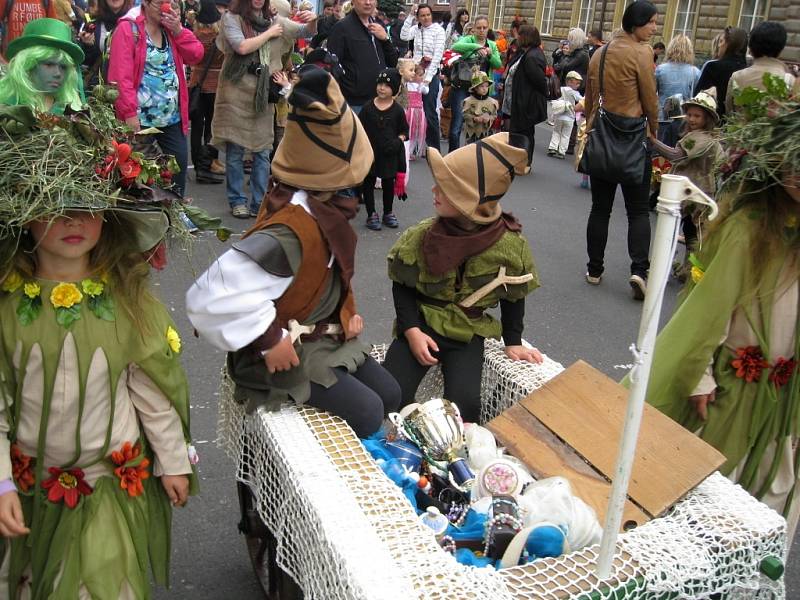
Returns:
point(462, 367)
point(362, 399)
point(368, 192)
point(637, 206)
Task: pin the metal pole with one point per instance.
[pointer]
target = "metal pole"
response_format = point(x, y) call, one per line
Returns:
point(674, 190)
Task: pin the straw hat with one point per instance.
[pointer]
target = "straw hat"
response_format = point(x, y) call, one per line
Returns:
point(324, 146)
point(46, 32)
point(476, 176)
point(707, 100)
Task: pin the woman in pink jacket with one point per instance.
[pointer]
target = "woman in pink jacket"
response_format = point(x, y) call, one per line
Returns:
point(148, 50)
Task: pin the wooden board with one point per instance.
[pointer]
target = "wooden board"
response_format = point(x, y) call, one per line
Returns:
point(586, 409)
point(546, 456)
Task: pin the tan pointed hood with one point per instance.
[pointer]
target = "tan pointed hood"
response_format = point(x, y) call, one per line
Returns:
point(324, 146)
point(476, 176)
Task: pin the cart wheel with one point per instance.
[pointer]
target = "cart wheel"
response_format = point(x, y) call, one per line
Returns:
point(261, 547)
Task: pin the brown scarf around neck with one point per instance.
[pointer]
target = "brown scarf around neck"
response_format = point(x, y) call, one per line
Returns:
point(447, 244)
point(333, 214)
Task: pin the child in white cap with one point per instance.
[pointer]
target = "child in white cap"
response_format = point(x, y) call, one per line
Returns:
point(564, 115)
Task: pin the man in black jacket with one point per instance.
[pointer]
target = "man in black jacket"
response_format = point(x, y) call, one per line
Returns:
point(364, 49)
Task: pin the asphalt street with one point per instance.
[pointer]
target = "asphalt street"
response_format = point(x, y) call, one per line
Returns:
point(565, 318)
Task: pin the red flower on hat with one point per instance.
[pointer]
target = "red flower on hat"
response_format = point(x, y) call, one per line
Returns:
point(782, 371)
point(749, 363)
point(66, 486)
point(22, 468)
point(131, 468)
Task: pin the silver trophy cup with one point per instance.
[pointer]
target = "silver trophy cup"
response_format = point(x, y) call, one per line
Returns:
point(436, 427)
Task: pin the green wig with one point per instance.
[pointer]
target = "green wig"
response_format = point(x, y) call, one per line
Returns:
point(16, 87)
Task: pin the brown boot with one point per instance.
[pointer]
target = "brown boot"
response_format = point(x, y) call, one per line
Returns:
point(217, 167)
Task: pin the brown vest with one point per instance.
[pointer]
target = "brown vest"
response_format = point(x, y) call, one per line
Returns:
point(311, 279)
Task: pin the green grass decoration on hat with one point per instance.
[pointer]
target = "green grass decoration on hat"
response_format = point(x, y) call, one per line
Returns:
point(762, 136)
point(88, 159)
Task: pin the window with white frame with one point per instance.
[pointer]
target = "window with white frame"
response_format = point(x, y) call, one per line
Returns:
point(443, 2)
point(586, 15)
point(752, 12)
point(548, 15)
point(499, 10)
point(685, 17)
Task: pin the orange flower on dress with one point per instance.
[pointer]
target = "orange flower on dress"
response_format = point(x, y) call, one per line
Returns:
point(782, 371)
point(131, 468)
point(66, 485)
point(22, 466)
point(749, 363)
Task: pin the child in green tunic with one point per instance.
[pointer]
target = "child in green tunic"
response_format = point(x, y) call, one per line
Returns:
point(725, 366)
point(94, 421)
point(439, 269)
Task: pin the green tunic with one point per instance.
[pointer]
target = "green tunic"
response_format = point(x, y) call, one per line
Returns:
point(717, 317)
point(407, 267)
point(82, 375)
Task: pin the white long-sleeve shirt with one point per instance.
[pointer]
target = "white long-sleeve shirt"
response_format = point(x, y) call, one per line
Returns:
point(428, 41)
point(233, 302)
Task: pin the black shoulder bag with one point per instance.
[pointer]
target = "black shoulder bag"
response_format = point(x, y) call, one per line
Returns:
point(616, 147)
point(194, 93)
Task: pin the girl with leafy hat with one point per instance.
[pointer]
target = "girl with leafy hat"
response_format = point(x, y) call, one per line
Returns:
point(439, 269)
point(725, 366)
point(696, 156)
point(94, 414)
point(43, 68)
point(281, 301)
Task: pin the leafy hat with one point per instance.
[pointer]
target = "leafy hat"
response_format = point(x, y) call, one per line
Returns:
point(762, 135)
point(89, 161)
point(46, 32)
point(476, 176)
point(478, 78)
point(707, 100)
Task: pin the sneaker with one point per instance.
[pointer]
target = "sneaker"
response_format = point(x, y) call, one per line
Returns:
point(639, 286)
point(560, 155)
point(373, 222)
point(240, 211)
point(247, 165)
point(593, 280)
point(551, 152)
point(253, 212)
point(390, 220)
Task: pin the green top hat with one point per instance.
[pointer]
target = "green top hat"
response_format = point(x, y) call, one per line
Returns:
point(47, 32)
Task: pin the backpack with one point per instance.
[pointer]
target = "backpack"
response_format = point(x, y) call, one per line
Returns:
point(553, 83)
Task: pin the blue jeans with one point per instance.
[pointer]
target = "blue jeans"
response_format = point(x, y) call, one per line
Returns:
point(429, 100)
point(356, 108)
point(172, 140)
point(457, 96)
point(234, 176)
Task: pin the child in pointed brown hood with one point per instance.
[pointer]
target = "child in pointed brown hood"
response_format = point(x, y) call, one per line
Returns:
point(448, 270)
point(281, 301)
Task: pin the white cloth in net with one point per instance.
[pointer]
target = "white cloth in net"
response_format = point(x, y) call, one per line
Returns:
point(346, 532)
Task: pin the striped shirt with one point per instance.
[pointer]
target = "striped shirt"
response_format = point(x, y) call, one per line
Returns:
point(428, 41)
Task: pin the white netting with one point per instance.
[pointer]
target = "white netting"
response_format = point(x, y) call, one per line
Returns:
point(345, 531)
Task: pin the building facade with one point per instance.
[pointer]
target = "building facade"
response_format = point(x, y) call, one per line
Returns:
point(701, 20)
